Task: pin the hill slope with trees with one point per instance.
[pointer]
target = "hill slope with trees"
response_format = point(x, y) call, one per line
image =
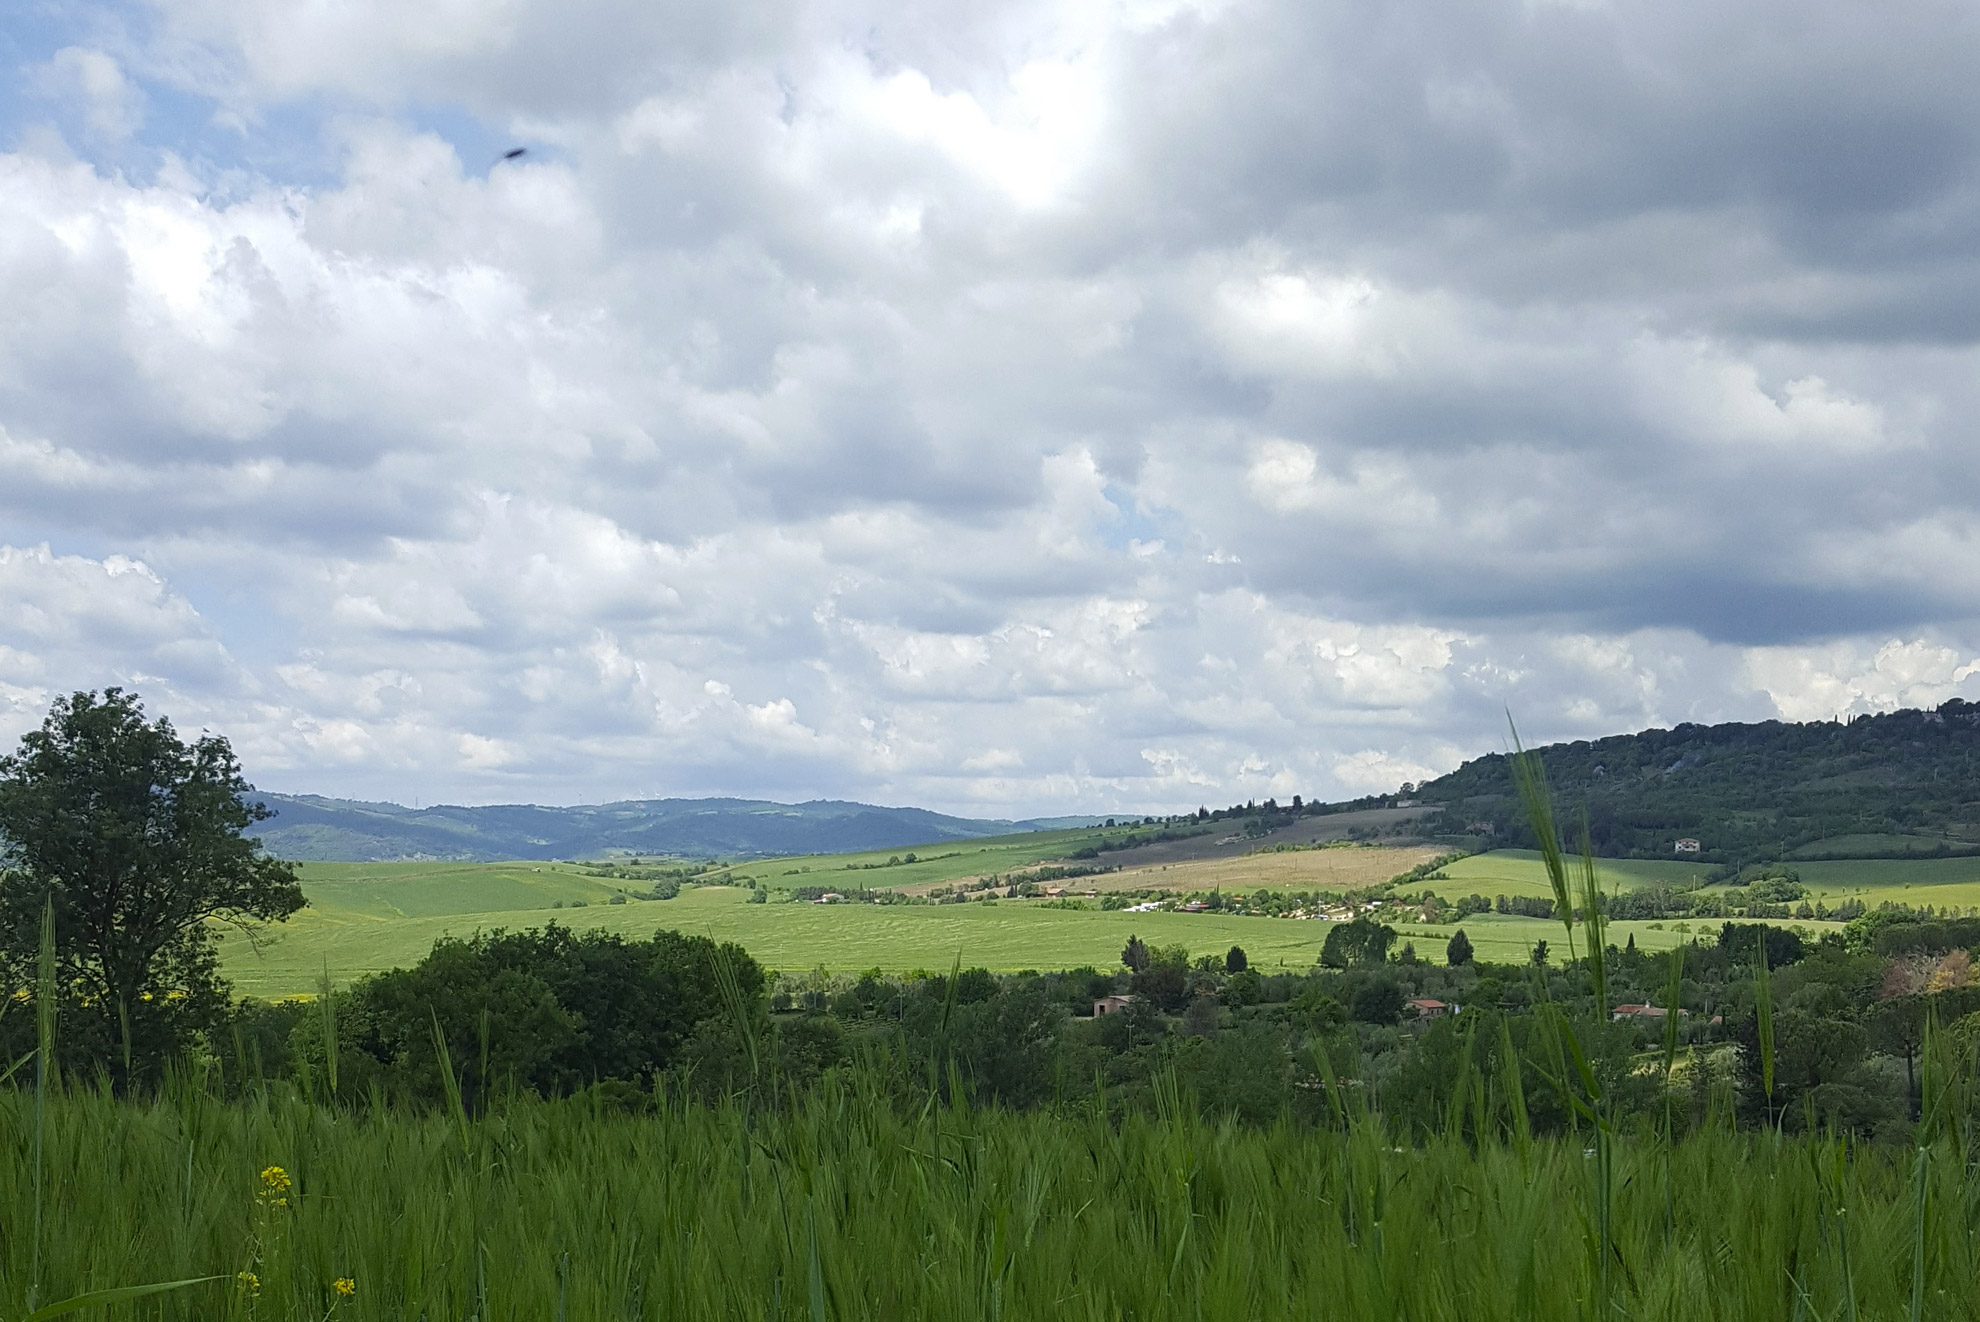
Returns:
point(320, 830)
point(1901, 784)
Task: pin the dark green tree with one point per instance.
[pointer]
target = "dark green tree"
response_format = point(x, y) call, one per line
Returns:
point(1361, 943)
point(1135, 955)
point(547, 1010)
point(1458, 952)
point(1235, 961)
point(140, 841)
point(1377, 1001)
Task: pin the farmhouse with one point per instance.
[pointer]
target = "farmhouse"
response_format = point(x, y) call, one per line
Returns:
point(1685, 846)
point(1429, 1009)
point(1644, 1013)
point(1111, 1005)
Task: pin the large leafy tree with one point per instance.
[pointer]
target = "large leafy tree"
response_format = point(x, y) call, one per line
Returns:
point(138, 839)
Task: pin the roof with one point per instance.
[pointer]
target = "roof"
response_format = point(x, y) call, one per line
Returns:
point(1426, 1003)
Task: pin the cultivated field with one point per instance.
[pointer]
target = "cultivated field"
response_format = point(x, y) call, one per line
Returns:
point(1341, 869)
point(949, 860)
point(364, 918)
point(1515, 872)
point(1006, 935)
point(1934, 881)
point(426, 890)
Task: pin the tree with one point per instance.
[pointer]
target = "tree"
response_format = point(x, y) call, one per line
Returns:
point(1377, 1001)
point(549, 1010)
point(1135, 955)
point(1235, 961)
point(1458, 952)
point(1540, 953)
point(1359, 943)
point(1162, 985)
point(139, 841)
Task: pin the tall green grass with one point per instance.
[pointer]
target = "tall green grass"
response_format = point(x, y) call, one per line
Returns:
point(845, 1206)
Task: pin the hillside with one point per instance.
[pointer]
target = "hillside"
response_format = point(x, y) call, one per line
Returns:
point(1902, 784)
point(317, 829)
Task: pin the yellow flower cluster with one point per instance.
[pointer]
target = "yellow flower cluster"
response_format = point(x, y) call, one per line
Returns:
point(249, 1282)
point(275, 1186)
point(344, 1286)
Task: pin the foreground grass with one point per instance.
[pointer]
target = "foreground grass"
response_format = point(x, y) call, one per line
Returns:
point(847, 1209)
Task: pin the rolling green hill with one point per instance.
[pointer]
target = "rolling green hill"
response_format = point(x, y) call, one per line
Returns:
point(1904, 784)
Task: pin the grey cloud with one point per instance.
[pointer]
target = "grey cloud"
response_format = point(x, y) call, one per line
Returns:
point(1006, 407)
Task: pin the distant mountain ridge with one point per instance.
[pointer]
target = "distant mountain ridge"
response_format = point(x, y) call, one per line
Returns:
point(1898, 784)
point(311, 828)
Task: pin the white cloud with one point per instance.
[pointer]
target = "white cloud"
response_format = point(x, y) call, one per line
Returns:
point(1848, 679)
point(1010, 408)
point(111, 105)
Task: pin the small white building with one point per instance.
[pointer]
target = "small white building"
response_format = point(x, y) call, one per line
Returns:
point(1111, 1005)
point(1685, 846)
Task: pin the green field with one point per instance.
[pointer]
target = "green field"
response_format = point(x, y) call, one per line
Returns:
point(426, 890)
point(1518, 872)
point(1933, 881)
point(367, 937)
point(934, 864)
point(364, 918)
point(1008, 935)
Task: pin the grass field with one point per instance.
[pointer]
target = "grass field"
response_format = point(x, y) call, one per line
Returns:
point(1004, 936)
point(846, 1207)
point(1934, 881)
point(365, 918)
point(426, 890)
point(947, 861)
point(1516, 872)
point(1342, 869)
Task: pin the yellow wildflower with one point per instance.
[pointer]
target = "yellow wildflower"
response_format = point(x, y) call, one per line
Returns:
point(249, 1282)
point(274, 1187)
point(344, 1286)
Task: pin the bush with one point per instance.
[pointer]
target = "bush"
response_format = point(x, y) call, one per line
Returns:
point(548, 1010)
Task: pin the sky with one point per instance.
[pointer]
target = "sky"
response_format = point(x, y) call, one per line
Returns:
point(1006, 409)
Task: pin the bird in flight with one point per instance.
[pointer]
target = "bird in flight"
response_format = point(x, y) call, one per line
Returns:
point(514, 153)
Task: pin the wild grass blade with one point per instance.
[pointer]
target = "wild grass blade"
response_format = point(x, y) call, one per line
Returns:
point(46, 1076)
point(104, 1298)
point(1763, 1008)
point(326, 1003)
point(450, 1084)
point(1537, 800)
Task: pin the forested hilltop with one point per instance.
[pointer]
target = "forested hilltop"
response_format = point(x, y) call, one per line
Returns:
point(1898, 785)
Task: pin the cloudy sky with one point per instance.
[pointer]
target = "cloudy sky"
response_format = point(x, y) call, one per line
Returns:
point(1003, 408)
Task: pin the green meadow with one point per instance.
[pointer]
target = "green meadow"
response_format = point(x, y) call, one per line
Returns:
point(949, 860)
point(1006, 935)
point(365, 918)
point(1518, 872)
point(1935, 881)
